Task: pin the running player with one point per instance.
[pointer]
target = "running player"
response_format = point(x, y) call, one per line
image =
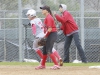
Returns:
point(38, 32)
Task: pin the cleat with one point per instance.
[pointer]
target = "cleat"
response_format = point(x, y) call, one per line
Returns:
point(60, 62)
point(40, 67)
point(55, 67)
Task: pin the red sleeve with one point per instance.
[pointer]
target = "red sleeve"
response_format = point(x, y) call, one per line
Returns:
point(63, 18)
point(33, 29)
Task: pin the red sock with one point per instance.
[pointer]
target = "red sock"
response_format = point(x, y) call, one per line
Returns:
point(52, 56)
point(44, 60)
point(56, 54)
point(39, 52)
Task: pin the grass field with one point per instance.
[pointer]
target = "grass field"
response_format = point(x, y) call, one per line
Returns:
point(23, 68)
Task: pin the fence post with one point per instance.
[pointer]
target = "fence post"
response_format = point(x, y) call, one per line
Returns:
point(82, 22)
point(20, 31)
point(5, 51)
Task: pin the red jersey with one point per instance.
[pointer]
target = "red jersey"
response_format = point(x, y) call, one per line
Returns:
point(49, 22)
point(68, 24)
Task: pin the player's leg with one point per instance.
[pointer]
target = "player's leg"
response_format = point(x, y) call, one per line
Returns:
point(79, 47)
point(36, 48)
point(47, 49)
point(54, 51)
point(44, 56)
point(49, 45)
point(67, 44)
point(43, 61)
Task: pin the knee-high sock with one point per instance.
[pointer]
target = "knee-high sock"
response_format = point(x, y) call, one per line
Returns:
point(52, 56)
point(56, 54)
point(44, 60)
point(39, 52)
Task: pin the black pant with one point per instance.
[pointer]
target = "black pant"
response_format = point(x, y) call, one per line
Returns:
point(47, 49)
point(68, 41)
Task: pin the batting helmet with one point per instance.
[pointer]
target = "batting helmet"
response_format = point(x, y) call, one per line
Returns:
point(31, 12)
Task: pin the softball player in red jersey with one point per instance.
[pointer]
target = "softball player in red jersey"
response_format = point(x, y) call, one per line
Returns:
point(38, 32)
point(51, 36)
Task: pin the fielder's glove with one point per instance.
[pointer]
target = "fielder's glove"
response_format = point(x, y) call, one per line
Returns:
point(42, 42)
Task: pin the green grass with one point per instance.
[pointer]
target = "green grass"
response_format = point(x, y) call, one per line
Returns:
point(18, 63)
point(48, 64)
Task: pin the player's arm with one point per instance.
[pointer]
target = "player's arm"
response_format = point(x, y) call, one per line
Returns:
point(33, 26)
point(62, 19)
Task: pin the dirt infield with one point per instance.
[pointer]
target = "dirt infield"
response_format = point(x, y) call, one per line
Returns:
point(29, 70)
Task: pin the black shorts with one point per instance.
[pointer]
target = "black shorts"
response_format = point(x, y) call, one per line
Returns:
point(49, 43)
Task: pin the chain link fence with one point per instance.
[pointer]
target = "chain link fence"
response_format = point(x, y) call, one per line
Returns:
point(16, 37)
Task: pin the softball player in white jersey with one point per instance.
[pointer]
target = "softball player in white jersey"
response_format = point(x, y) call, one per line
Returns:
point(38, 32)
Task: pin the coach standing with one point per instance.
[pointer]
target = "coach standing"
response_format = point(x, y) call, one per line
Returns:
point(70, 29)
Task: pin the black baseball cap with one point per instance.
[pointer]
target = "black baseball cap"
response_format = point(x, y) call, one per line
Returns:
point(45, 8)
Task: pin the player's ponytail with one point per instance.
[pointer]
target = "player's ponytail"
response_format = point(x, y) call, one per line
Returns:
point(50, 12)
point(53, 16)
